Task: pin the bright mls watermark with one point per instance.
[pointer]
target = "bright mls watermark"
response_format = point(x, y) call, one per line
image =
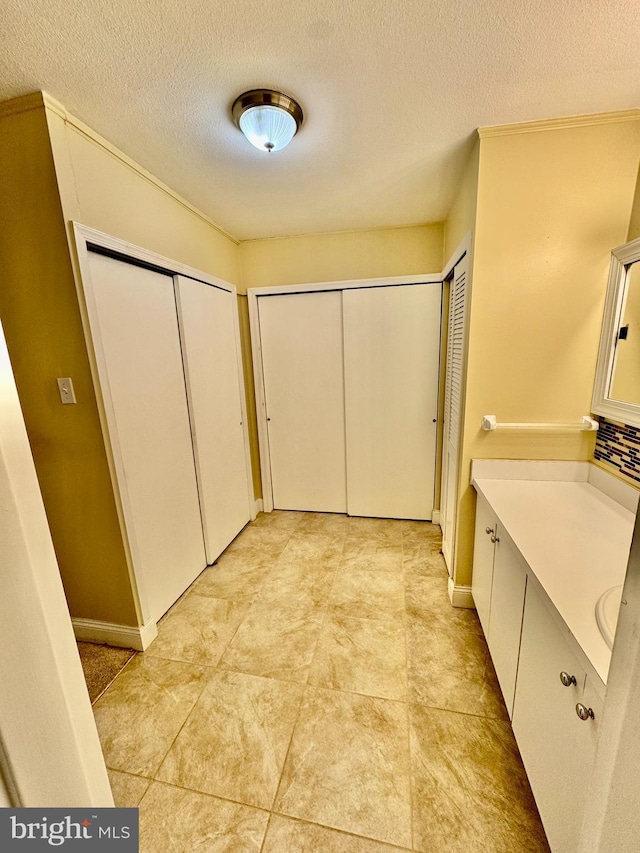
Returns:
point(69, 829)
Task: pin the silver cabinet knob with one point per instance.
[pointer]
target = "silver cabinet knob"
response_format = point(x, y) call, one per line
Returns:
point(567, 680)
point(584, 713)
point(494, 539)
point(488, 530)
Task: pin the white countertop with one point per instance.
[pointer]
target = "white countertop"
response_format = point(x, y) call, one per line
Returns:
point(575, 539)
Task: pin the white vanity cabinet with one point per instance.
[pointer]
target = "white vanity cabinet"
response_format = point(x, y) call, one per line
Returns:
point(499, 583)
point(557, 745)
point(550, 538)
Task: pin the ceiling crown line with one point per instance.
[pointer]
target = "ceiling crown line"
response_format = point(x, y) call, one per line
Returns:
point(558, 123)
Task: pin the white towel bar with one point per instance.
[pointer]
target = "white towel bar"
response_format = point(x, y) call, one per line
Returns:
point(586, 424)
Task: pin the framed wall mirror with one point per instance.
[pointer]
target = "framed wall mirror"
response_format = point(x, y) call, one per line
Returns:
point(617, 387)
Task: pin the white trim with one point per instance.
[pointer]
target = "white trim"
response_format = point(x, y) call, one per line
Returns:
point(123, 636)
point(261, 406)
point(463, 248)
point(460, 596)
point(602, 404)
point(258, 507)
point(60, 110)
point(349, 284)
point(558, 123)
point(435, 516)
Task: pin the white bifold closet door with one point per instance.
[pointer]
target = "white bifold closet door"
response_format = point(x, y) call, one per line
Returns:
point(209, 347)
point(452, 410)
point(391, 352)
point(145, 395)
point(302, 361)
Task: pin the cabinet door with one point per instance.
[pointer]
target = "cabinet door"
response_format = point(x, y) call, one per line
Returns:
point(547, 728)
point(302, 362)
point(505, 625)
point(483, 552)
point(391, 353)
point(140, 363)
point(207, 317)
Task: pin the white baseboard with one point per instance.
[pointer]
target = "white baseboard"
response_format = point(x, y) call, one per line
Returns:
point(435, 516)
point(124, 636)
point(460, 596)
point(259, 505)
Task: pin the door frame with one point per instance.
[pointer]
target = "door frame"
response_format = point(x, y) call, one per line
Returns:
point(256, 293)
point(465, 247)
point(85, 239)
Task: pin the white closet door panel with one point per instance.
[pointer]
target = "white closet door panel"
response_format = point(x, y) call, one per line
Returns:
point(391, 341)
point(301, 338)
point(138, 332)
point(208, 333)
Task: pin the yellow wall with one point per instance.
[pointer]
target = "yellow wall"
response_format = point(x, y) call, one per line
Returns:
point(552, 204)
point(39, 310)
point(634, 223)
point(104, 189)
point(342, 256)
point(462, 216)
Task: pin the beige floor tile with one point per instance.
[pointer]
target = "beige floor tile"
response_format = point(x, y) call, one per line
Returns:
point(276, 640)
point(323, 550)
point(176, 821)
point(421, 531)
point(366, 594)
point(293, 836)
point(198, 629)
point(469, 787)
point(303, 584)
point(365, 656)
point(235, 741)
point(424, 559)
point(374, 555)
point(427, 598)
point(282, 519)
point(334, 524)
point(266, 540)
point(450, 668)
point(139, 716)
point(348, 766)
point(233, 578)
point(127, 790)
point(386, 529)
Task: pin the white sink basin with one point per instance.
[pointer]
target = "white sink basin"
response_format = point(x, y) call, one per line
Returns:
point(607, 610)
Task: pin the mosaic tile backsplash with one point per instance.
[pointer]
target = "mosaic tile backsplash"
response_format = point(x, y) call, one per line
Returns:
point(619, 445)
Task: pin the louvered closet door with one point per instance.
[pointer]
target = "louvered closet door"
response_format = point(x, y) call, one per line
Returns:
point(145, 395)
point(302, 358)
point(452, 409)
point(207, 317)
point(391, 350)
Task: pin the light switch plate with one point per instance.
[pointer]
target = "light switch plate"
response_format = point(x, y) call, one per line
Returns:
point(67, 394)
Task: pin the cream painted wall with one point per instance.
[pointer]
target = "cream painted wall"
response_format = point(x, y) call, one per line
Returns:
point(634, 223)
point(462, 216)
point(330, 257)
point(551, 205)
point(39, 310)
point(342, 256)
point(102, 188)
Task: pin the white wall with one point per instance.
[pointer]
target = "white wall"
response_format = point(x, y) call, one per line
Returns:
point(51, 752)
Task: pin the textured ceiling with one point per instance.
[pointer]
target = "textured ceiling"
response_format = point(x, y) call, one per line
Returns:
point(391, 91)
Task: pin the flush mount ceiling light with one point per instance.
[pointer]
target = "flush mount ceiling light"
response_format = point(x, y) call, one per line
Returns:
point(267, 118)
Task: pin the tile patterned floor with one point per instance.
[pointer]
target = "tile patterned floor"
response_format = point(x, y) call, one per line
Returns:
point(315, 692)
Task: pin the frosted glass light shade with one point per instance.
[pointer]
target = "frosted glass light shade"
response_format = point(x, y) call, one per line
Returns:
point(268, 119)
point(268, 128)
